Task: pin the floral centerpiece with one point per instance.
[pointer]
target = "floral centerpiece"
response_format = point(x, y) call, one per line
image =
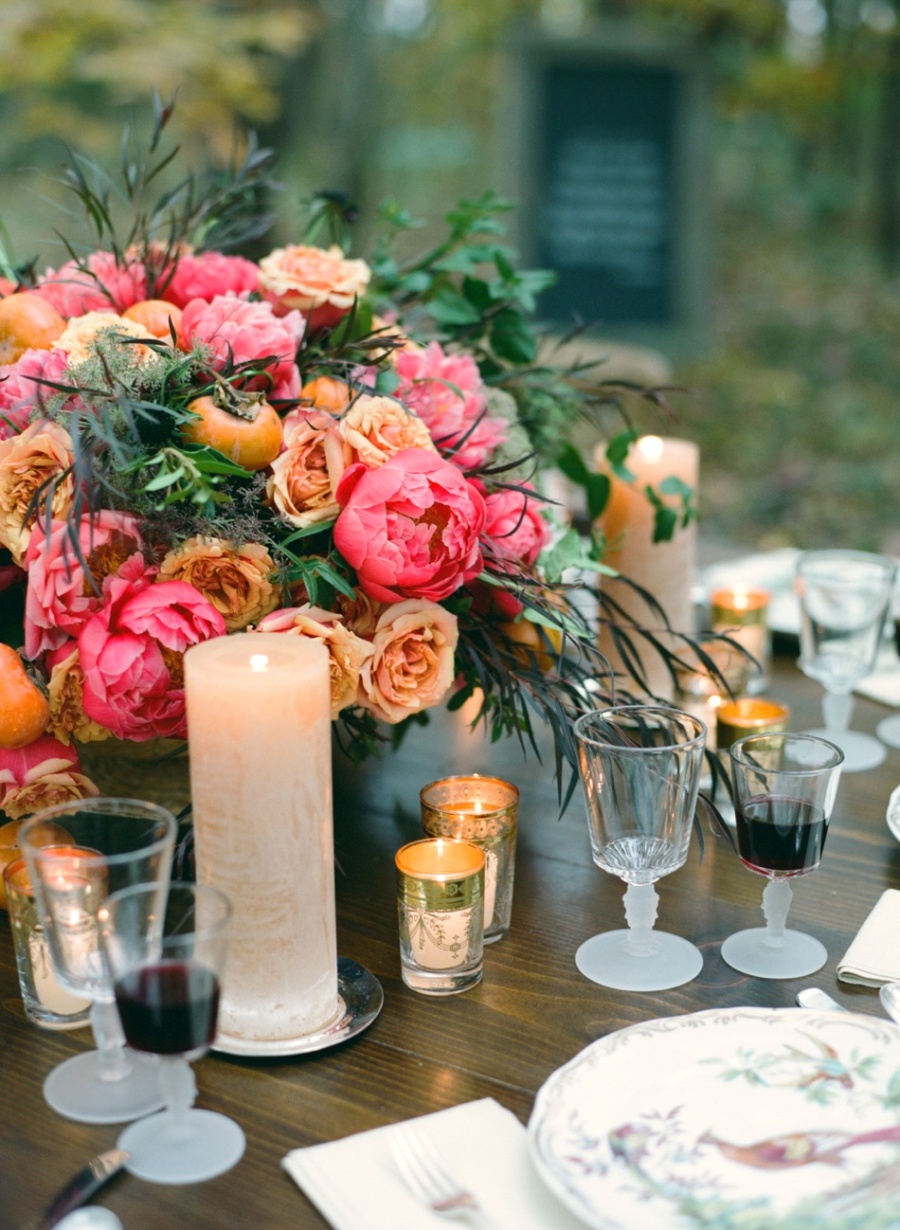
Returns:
point(194, 443)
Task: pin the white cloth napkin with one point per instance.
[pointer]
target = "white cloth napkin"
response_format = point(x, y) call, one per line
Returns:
point(874, 956)
point(883, 685)
point(354, 1184)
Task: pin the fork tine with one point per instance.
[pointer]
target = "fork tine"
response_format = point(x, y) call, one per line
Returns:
point(422, 1170)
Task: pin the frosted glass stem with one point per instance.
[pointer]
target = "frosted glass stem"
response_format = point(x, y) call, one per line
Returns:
point(641, 905)
point(776, 903)
point(112, 1061)
point(179, 1090)
point(837, 708)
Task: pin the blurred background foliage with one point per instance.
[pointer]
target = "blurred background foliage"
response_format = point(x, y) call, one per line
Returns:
point(792, 395)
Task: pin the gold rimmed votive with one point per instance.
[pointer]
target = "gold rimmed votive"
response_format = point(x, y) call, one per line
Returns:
point(440, 904)
point(743, 614)
point(750, 715)
point(485, 811)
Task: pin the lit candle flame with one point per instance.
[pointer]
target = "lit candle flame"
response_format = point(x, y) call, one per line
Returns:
point(259, 661)
point(651, 446)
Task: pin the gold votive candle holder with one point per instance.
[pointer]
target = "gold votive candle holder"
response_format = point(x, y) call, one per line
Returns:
point(440, 905)
point(46, 1000)
point(749, 715)
point(743, 614)
point(485, 811)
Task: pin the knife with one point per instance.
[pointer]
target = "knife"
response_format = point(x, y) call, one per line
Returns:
point(813, 997)
point(80, 1188)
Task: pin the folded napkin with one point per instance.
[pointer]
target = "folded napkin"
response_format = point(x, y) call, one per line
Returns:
point(874, 956)
point(354, 1184)
point(883, 684)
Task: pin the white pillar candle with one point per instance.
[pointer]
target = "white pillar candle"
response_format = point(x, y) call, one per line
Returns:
point(259, 731)
point(664, 569)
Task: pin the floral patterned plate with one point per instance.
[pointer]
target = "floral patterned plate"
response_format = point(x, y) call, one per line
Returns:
point(737, 1119)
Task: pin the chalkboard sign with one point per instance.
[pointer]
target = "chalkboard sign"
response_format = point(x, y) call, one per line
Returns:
point(613, 183)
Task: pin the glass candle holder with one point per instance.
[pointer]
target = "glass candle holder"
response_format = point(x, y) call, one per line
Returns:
point(736, 719)
point(440, 903)
point(744, 614)
point(47, 1002)
point(700, 692)
point(484, 811)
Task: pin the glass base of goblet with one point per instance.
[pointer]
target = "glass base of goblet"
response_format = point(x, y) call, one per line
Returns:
point(888, 730)
point(607, 959)
point(752, 952)
point(861, 751)
point(204, 1144)
point(76, 1090)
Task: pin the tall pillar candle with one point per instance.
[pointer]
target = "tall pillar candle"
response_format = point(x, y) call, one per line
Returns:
point(663, 569)
point(259, 734)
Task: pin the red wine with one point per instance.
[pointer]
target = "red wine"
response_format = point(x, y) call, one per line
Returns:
point(168, 1008)
point(778, 833)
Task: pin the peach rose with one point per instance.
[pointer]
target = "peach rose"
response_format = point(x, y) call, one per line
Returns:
point(40, 775)
point(380, 427)
point(412, 663)
point(68, 719)
point(236, 580)
point(43, 451)
point(82, 334)
point(347, 652)
point(319, 282)
point(305, 476)
point(360, 614)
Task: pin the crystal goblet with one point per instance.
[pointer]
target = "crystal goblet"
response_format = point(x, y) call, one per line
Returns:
point(640, 767)
point(77, 853)
point(784, 791)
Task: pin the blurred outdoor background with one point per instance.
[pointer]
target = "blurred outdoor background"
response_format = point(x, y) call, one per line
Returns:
point(777, 182)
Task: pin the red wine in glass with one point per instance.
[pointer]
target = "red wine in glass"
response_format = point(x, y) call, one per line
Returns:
point(170, 1007)
point(779, 834)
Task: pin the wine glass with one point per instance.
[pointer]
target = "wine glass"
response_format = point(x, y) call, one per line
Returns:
point(640, 767)
point(784, 791)
point(845, 597)
point(166, 953)
point(77, 853)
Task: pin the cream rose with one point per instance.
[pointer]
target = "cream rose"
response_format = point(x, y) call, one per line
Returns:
point(79, 338)
point(313, 279)
point(412, 664)
point(377, 428)
point(236, 580)
point(347, 652)
point(304, 477)
point(43, 451)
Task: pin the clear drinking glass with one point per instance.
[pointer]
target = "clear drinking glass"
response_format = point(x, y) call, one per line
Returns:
point(166, 954)
point(78, 853)
point(640, 767)
point(784, 791)
point(845, 597)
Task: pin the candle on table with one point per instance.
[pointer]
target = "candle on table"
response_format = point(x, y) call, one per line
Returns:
point(259, 727)
point(749, 716)
point(742, 614)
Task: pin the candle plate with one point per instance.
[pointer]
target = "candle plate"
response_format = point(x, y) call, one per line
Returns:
point(361, 996)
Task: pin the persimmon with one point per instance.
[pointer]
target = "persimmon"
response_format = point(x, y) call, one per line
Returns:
point(6, 286)
point(10, 850)
point(154, 315)
point(250, 433)
point(24, 709)
point(326, 393)
point(27, 322)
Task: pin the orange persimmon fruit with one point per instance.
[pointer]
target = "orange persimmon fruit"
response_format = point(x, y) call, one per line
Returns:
point(24, 709)
point(27, 322)
point(154, 315)
point(326, 393)
point(10, 850)
point(250, 435)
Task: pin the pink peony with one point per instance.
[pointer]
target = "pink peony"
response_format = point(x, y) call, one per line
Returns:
point(410, 527)
point(131, 654)
point(514, 530)
point(448, 394)
point(239, 331)
point(205, 275)
point(96, 285)
point(39, 775)
point(60, 597)
point(22, 390)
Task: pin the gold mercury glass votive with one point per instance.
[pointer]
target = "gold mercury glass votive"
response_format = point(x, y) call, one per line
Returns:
point(440, 904)
point(485, 811)
point(749, 716)
point(743, 614)
point(46, 1001)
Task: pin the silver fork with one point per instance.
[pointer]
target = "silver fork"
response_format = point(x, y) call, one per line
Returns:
point(423, 1173)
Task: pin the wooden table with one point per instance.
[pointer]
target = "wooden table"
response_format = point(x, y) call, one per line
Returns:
point(532, 1012)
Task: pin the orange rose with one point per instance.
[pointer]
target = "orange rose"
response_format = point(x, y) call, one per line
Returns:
point(304, 477)
point(412, 665)
point(320, 282)
point(236, 580)
point(27, 461)
point(347, 652)
point(82, 332)
point(68, 719)
point(377, 428)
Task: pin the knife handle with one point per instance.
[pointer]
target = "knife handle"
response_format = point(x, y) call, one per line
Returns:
point(86, 1183)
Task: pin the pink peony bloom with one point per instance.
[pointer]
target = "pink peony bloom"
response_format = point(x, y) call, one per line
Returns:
point(514, 530)
point(39, 775)
point(410, 527)
point(205, 275)
point(448, 394)
point(21, 390)
point(96, 285)
point(60, 597)
point(131, 654)
point(240, 331)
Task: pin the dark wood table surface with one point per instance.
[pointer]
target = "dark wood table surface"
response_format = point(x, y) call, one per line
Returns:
point(532, 1012)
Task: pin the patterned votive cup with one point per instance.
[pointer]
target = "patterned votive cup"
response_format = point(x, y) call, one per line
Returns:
point(743, 615)
point(485, 811)
point(440, 902)
point(749, 716)
point(47, 1002)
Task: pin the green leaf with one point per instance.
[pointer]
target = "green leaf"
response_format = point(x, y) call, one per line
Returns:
point(386, 382)
point(512, 338)
point(617, 452)
point(596, 486)
point(478, 293)
point(448, 307)
point(664, 522)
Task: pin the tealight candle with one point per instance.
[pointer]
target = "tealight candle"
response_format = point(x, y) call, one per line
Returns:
point(440, 904)
point(742, 614)
point(748, 716)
